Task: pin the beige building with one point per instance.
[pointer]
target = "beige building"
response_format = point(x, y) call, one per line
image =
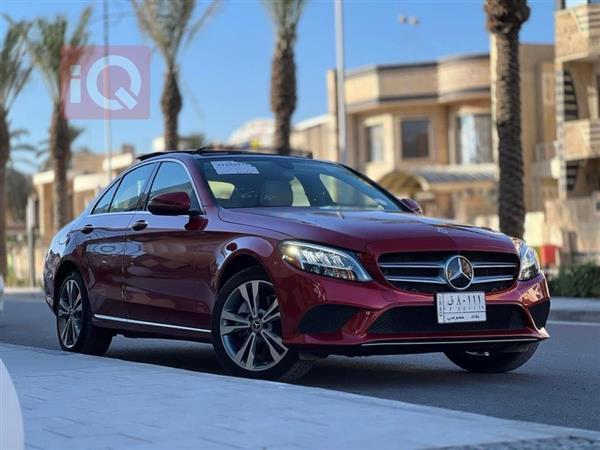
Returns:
point(574, 216)
point(426, 130)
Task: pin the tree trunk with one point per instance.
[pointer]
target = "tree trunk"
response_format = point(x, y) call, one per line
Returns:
point(511, 208)
point(4, 154)
point(60, 151)
point(171, 106)
point(283, 92)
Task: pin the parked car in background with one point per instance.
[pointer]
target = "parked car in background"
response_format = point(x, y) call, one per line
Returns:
point(279, 261)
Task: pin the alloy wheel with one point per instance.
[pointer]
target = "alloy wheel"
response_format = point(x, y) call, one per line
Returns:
point(70, 313)
point(250, 326)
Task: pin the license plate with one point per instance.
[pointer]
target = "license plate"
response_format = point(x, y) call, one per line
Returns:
point(456, 307)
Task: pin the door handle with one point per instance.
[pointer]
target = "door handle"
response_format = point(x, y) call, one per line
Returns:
point(139, 225)
point(87, 229)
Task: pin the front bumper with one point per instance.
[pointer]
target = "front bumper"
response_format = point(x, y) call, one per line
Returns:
point(329, 316)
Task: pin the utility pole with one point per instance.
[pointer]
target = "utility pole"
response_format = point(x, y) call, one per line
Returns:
point(340, 91)
point(106, 82)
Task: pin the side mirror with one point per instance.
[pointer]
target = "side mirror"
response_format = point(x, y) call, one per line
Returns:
point(411, 205)
point(170, 204)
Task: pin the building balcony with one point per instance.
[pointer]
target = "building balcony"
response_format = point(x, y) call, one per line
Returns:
point(581, 139)
point(578, 33)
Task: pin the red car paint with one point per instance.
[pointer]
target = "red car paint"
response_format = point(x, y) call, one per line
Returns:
point(170, 269)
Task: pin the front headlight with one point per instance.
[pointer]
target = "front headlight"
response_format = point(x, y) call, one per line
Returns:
point(530, 266)
point(325, 261)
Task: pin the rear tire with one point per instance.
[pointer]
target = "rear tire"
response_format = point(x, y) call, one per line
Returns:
point(491, 362)
point(246, 330)
point(74, 320)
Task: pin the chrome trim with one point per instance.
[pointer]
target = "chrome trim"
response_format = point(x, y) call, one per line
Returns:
point(435, 280)
point(411, 265)
point(152, 324)
point(492, 265)
point(479, 341)
point(491, 279)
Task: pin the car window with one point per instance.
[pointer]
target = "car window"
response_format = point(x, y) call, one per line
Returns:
point(255, 182)
point(221, 189)
point(172, 177)
point(104, 202)
point(131, 189)
point(343, 194)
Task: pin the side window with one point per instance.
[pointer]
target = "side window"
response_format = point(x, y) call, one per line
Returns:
point(131, 189)
point(172, 177)
point(104, 202)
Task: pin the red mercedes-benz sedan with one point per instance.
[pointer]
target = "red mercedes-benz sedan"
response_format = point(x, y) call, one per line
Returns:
point(279, 261)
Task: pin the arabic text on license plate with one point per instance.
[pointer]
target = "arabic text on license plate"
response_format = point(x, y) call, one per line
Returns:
point(454, 307)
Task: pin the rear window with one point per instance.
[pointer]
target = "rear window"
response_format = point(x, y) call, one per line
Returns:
point(255, 182)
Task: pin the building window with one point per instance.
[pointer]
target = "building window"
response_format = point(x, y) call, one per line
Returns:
point(474, 139)
point(415, 138)
point(374, 143)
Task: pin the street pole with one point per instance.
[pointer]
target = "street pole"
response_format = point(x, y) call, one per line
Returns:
point(340, 91)
point(30, 223)
point(106, 80)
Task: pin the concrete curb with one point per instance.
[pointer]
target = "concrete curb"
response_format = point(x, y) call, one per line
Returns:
point(109, 403)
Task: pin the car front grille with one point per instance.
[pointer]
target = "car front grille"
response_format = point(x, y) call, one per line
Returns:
point(423, 272)
point(423, 319)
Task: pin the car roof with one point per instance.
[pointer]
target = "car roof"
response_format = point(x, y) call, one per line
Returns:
point(207, 152)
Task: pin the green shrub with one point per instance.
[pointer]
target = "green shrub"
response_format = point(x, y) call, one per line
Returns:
point(581, 280)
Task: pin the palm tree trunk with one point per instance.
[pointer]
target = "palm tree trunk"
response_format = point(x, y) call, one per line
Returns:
point(171, 106)
point(283, 92)
point(511, 208)
point(4, 154)
point(61, 154)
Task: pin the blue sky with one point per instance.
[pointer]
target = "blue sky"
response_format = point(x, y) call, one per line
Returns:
point(226, 69)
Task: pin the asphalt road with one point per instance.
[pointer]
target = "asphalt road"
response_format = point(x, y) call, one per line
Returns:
point(559, 386)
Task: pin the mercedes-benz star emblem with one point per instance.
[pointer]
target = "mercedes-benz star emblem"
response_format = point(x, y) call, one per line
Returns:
point(459, 272)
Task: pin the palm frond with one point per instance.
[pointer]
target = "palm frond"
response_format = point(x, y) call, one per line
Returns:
point(168, 23)
point(14, 71)
point(210, 11)
point(285, 15)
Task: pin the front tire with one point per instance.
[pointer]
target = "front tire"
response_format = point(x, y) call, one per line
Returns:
point(74, 320)
point(491, 362)
point(246, 330)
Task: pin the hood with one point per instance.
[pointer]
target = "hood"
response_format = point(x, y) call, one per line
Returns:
point(359, 230)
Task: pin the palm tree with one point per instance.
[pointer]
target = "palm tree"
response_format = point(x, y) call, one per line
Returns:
point(504, 20)
point(14, 73)
point(285, 15)
point(52, 53)
point(169, 23)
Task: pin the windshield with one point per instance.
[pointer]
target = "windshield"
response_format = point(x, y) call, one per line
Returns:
point(254, 182)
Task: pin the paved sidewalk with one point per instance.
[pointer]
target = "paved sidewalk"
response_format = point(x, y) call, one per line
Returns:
point(80, 402)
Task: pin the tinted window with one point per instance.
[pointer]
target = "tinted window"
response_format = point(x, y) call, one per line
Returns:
point(251, 182)
point(104, 202)
point(131, 189)
point(172, 177)
point(415, 138)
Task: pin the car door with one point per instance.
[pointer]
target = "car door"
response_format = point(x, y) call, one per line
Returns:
point(101, 238)
point(166, 274)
